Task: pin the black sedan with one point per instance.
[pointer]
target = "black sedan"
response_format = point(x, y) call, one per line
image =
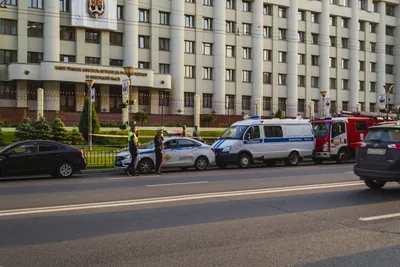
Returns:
point(41, 157)
point(378, 157)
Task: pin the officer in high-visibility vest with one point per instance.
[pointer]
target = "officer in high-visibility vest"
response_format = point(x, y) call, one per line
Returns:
point(133, 139)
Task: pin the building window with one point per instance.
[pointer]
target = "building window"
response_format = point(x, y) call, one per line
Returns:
point(189, 72)
point(372, 107)
point(301, 81)
point(362, 4)
point(315, 82)
point(144, 98)
point(314, 60)
point(302, 37)
point(230, 4)
point(164, 69)
point(246, 6)
point(67, 33)
point(207, 49)
point(8, 26)
point(390, 10)
point(389, 69)
point(207, 24)
point(361, 45)
point(345, 23)
point(189, 1)
point(281, 79)
point(332, 20)
point(164, 18)
point(332, 62)
point(207, 2)
point(301, 103)
point(389, 31)
point(372, 66)
point(189, 47)
point(345, 106)
point(345, 84)
point(372, 87)
point(266, 103)
point(361, 65)
point(92, 60)
point(164, 44)
point(361, 26)
point(8, 90)
point(372, 48)
point(282, 34)
point(229, 101)
point(230, 26)
point(189, 99)
point(143, 65)
point(267, 9)
point(301, 59)
point(246, 52)
point(332, 83)
point(207, 100)
point(8, 56)
point(282, 103)
point(246, 29)
point(116, 62)
point(35, 29)
point(333, 108)
point(64, 5)
point(92, 36)
point(345, 64)
point(314, 17)
point(33, 86)
point(267, 32)
point(246, 102)
point(116, 38)
point(282, 12)
point(67, 58)
point(314, 38)
point(189, 21)
point(35, 57)
point(332, 40)
point(390, 50)
point(246, 76)
point(372, 27)
point(230, 75)
point(345, 43)
point(267, 77)
point(67, 97)
point(207, 73)
point(144, 15)
point(282, 57)
point(11, 2)
point(115, 99)
point(163, 99)
point(144, 42)
point(361, 85)
point(120, 12)
point(230, 51)
point(35, 3)
point(267, 55)
point(301, 15)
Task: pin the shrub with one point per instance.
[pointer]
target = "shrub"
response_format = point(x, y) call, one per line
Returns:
point(83, 122)
point(1, 138)
point(279, 114)
point(58, 131)
point(209, 119)
point(41, 130)
point(24, 130)
point(75, 137)
point(141, 117)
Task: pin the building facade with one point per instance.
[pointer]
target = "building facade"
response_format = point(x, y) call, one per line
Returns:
point(237, 55)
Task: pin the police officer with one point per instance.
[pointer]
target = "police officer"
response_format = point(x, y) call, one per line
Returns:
point(133, 139)
point(158, 145)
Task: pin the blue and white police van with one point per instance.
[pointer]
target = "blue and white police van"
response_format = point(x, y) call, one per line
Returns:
point(268, 140)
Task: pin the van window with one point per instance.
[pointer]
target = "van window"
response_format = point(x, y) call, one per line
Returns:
point(252, 133)
point(293, 130)
point(273, 131)
point(361, 126)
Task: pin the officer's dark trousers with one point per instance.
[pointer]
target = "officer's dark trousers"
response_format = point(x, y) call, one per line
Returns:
point(158, 160)
point(134, 154)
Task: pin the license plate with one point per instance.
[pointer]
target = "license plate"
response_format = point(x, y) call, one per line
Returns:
point(376, 151)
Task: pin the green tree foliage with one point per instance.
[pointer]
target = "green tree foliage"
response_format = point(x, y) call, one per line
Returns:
point(83, 122)
point(1, 138)
point(279, 114)
point(41, 129)
point(75, 137)
point(141, 117)
point(58, 131)
point(24, 130)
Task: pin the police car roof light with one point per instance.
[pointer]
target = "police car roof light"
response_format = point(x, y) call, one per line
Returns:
point(328, 118)
point(255, 117)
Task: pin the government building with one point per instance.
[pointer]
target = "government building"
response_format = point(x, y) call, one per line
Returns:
point(238, 56)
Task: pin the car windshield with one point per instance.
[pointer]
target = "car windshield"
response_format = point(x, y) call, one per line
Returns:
point(321, 129)
point(383, 135)
point(147, 145)
point(234, 132)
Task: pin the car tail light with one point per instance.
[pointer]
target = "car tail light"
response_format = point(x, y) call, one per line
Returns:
point(212, 149)
point(395, 146)
point(79, 153)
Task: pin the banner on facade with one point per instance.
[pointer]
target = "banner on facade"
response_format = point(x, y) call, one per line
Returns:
point(92, 95)
point(125, 88)
point(382, 101)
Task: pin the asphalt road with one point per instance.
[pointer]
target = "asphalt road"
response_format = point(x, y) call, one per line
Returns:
point(283, 216)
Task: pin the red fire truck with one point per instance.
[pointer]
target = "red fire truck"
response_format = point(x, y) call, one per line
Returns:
point(338, 138)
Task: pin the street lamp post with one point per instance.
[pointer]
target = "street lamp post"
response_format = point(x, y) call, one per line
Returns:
point(129, 72)
point(227, 106)
point(90, 84)
point(388, 88)
point(323, 94)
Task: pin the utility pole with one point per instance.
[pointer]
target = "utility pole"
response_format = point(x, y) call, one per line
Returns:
point(90, 84)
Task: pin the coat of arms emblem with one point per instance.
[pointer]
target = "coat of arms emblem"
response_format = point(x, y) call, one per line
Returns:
point(96, 8)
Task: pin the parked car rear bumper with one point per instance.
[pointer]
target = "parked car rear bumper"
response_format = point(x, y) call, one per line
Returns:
point(389, 176)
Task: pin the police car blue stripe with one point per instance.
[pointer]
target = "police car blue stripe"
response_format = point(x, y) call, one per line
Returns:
point(219, 144)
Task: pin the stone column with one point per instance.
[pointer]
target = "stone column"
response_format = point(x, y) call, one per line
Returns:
point(135, 96)
point(219, 57)
point(131, 33)
point(80, 95)
point(22, 32)
point(177, 55)
point(197, 110)
point(51, 95)
point(353, 46)
point(381, 51)
point(104, 98)
point(40, 104)
point(324, 43)
point(257, 57)
point(154, 102)
point(22, 94)
point(292, 38)
point(51, 31)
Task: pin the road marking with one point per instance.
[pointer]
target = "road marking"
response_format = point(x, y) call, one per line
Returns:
point(136, 202)
point(200, 182)
point(350, 172)
point(133, 177)
point(374, 218)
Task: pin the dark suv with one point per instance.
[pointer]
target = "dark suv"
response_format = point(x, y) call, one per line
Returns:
point(378, 157)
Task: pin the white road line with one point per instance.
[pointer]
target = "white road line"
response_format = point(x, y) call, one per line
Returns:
point(136, 202)
point(374, 218)
point(350, 172)
point(132, 177)
point(154, 185)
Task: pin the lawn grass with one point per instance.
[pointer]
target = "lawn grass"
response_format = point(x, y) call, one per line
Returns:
point(8, 137)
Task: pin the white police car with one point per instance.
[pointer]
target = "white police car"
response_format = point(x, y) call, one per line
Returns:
point(179, 152)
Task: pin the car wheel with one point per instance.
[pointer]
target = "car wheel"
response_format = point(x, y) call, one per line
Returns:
point(317, 161)
point(65, 170)
point(374, 184)
point(343, 156)
point(293, 159)
point(145, 166)
point(244, 161)
point(270, 162)
point(201, 164)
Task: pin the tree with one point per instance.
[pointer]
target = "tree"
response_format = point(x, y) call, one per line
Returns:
point(58, 131)
point(41, 129)
point(83, 122)
point(24, 130)
point(279, 114)
point(75, 137)
point(1, 138)
point(141, 117)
